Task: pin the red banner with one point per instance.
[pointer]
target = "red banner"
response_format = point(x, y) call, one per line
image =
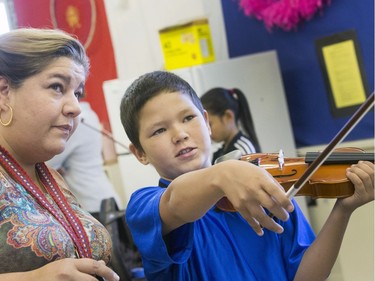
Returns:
point(88, 21)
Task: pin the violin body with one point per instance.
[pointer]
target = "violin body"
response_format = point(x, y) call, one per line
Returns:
point(329, 181)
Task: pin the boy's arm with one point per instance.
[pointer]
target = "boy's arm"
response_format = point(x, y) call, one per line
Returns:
point(249, 188)
point(320, 257)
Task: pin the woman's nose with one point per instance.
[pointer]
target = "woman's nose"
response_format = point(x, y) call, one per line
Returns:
point(72, 106)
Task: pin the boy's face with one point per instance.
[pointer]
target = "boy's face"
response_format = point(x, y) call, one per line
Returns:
point(174, 135)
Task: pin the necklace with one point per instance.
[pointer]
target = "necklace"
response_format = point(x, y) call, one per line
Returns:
point(68, 218)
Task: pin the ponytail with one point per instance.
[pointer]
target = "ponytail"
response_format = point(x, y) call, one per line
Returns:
point(244, 117)
point(218, 100)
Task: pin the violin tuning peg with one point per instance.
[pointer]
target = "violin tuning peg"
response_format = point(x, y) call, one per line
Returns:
point(280, 158)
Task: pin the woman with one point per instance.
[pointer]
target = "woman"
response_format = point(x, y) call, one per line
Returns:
point(227, 109)
point(44, 233)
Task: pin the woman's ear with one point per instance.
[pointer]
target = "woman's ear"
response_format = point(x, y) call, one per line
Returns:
point(139, 154)
point(4, 85)
point(4, 90)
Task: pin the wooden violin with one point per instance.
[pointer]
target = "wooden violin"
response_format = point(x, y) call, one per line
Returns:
point(312, 176)
point(329, 181)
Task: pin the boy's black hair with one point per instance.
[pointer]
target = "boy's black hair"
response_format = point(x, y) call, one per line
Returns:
point(142, 90)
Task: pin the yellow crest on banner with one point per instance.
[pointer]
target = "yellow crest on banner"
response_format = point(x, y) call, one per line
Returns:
point(76, 17)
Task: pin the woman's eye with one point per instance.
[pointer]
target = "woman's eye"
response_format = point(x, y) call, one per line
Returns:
point(57, 87)
point(78, 94)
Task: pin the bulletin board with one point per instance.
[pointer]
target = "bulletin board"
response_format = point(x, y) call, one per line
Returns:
point(343, 71)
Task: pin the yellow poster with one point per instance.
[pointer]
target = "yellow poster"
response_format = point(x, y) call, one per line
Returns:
point(344, 74)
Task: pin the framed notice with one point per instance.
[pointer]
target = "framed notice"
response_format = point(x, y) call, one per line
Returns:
point(343, 72)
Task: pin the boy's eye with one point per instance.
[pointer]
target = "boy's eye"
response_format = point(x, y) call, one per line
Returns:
point(189, 117)
point(159, 131)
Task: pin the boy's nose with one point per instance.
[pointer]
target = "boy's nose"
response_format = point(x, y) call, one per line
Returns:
point(180, 136)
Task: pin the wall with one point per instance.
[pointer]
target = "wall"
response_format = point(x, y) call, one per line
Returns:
point(303, 80)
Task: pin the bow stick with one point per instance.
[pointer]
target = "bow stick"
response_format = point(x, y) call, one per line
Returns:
point(106, 134)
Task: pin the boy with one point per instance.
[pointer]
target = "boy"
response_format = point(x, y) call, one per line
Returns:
point(175, 225)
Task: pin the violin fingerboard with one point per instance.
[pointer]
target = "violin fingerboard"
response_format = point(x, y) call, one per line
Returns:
point(341, 157)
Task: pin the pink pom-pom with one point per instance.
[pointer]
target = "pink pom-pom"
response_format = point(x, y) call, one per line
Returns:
point(285, 14)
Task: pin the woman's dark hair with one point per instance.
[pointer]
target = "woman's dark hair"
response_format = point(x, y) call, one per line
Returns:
point(25, 52)
point(217, 100)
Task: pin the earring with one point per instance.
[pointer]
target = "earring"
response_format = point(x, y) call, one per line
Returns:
point(11, 117)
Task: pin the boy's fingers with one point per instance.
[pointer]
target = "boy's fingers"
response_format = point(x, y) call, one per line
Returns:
point(276, 202)
point(280, 196)
point(259, 219)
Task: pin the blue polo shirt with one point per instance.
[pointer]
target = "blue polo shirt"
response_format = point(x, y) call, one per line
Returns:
point(219, 246)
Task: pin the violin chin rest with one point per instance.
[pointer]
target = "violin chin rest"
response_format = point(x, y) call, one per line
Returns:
point(233, 155)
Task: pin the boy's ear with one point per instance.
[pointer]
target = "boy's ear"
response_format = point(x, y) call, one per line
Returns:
point(207, 119)
point(140, 155)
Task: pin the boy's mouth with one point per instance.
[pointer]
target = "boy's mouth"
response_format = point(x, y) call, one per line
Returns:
point(184, 151)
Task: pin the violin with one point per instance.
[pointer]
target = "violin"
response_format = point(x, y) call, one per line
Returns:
point(329, 181)
point(309, 178)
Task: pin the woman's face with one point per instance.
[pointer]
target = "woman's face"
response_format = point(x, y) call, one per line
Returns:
point(45, 111)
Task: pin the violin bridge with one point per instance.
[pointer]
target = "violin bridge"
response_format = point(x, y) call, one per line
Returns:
point(280, 158)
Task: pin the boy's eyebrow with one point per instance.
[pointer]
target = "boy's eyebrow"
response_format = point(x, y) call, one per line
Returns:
point(159, 123)
point(152, 125)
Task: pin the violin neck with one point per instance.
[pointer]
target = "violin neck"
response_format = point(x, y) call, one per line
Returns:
point(341, 157)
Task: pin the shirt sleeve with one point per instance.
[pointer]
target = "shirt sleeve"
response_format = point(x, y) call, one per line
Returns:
point(144, 221)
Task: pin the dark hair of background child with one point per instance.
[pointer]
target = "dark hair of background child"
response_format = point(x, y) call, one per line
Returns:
point(217, 100)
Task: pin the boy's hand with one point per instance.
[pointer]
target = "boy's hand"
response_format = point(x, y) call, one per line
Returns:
point(251, 190)
point(362, 176)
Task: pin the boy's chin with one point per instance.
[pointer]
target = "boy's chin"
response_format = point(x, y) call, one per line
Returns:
point(199, 166)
